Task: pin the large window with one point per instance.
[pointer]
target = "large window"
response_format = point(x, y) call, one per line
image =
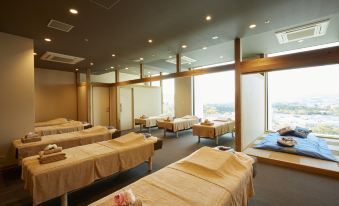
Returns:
point(307, 97)
point(168, 96)
point(214, 95)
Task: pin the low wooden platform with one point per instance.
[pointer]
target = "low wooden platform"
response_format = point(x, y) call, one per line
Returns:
point(303, 163)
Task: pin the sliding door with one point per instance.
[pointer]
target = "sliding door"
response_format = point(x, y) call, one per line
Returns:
point(101, 108)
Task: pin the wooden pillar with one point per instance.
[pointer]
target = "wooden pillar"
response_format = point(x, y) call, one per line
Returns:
point(238, 59)
point(162, 95)
point(142, 73)
point(116, 76)
point(178, 63)
point(77, 83)
point(89, 95)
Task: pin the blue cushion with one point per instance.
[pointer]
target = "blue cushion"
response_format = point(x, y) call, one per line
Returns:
point(311, 146)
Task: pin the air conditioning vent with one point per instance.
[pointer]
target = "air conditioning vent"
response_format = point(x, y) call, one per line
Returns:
point(303, 32)
point(184, 60)
point(61, 58)
point(59, 25)
point(107, 4)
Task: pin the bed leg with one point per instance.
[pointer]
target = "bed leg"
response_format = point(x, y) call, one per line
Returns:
point(217, 141)
point(64, 199)
point(198, 139)
point(150, 164)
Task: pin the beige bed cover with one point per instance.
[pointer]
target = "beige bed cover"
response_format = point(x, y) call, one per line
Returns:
point(205, 178)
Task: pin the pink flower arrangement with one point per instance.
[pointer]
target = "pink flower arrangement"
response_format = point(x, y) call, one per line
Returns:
point(124, 198)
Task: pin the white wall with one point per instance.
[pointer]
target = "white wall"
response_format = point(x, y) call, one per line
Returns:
point(183, 96)
point(252, 108)
point(16, 91)
point(103, 78)
point(147, 101)
point(126, 76)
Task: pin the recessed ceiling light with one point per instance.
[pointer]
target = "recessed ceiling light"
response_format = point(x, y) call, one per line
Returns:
point(113, 55)
point(215, 37)
point(204, 48)
point(34, 53)
point(141, 59)
point(73, 11)
point(184, 46)
point(86, 40)
point(126, 68)
point(301, 40)
point(150, 41)
point(267, 21)
point(48, 39)
point(208, 18)
point(76, 69)
point(252, 26)
point(91, 63)
point(112, 67)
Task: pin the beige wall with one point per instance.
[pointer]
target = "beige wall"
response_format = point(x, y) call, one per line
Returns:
point(183, 96)
point(16, 91)
point(55, 94)
point(82, 103)
point(252, 108)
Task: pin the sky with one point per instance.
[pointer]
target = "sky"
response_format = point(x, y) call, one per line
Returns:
point(304, 83)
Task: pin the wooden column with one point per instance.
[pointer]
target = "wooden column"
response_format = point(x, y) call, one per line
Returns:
point(238, 59)
point(116, 76)
point(178, 58)
point(77, 83)
point(89, 95)
point(162, 95)
point(142, 73)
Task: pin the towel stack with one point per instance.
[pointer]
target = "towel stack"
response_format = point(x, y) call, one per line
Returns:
point(168, 119)
point(207, 123)
point(51, 153)
point(31, 137)
point(143, 116)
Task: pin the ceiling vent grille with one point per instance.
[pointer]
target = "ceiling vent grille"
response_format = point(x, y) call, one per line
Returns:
point(61, 58)
point(303, 32)
point(107, 4)
point(184, 60)
point(54, 24)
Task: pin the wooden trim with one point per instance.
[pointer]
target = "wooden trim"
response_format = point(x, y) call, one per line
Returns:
point(178, 62)
point(238, 58)
point(299, 167)
point(292, 61)
point(99, 84)
point(162, 95)
point(195, 72)
point(142, 73)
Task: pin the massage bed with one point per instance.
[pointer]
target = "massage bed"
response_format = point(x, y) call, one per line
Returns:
point(150, 121)
point(205, 178)
point(178, 124)
point(218, 128)
point(84, 165)
point(65, 140)
point(51, 122)
point(70, 126)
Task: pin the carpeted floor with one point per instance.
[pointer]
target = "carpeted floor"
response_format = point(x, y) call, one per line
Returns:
point(274, 186)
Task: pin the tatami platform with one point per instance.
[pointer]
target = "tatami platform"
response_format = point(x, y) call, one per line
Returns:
point(303, 163)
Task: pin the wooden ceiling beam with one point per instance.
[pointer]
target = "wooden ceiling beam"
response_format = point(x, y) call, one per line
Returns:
point(237, 59)
point(291, 61)
point(190, 73)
